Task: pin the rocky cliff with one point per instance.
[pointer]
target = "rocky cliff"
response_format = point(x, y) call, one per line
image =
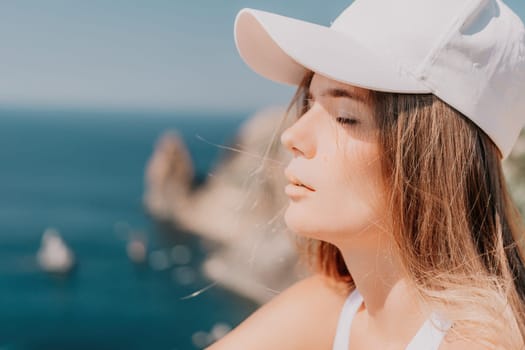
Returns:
point(240, 205)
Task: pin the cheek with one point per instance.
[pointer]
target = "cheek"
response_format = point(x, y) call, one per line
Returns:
point(362, 178)
point(351, 200)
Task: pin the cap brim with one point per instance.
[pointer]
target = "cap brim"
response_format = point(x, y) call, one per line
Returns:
point(282, 49)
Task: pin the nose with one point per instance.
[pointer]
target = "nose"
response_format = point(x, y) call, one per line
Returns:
point(299, 139)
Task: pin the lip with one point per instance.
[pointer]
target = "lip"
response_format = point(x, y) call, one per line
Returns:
point(296, 191)
point(296, 182)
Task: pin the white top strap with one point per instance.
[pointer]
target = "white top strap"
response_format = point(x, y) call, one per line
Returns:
point(428, 337)
point(342, 335)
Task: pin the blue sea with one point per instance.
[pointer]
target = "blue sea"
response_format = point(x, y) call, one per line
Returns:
point(82, 173)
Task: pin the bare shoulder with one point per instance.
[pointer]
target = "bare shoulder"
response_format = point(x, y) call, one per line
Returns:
point(304, 316)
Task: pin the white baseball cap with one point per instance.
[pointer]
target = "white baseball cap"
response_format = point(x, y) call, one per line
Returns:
point(469, 53)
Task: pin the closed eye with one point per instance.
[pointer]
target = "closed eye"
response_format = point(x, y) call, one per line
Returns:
point(341, 120)
point(347, 121)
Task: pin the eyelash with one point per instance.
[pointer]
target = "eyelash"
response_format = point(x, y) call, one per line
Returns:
point(347, 121)
point(340, 120)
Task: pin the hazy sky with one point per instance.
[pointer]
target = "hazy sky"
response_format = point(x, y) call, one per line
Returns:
point(157, 54)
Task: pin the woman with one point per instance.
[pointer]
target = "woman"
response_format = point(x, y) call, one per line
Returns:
point(406, 110)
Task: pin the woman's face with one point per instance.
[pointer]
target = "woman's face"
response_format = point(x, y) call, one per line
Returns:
point(335, 153)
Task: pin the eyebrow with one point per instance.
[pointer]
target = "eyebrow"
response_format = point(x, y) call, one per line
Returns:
point(338, 92)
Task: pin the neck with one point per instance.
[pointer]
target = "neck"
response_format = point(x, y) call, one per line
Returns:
point(379, 277)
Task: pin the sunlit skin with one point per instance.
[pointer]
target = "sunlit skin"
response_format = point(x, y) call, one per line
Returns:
point(335, 151)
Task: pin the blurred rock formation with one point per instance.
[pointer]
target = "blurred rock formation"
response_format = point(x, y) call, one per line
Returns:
point(240, 206)
point(54, 255)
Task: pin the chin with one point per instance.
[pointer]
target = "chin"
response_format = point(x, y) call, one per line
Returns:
point(327, 229)
point(300, 225)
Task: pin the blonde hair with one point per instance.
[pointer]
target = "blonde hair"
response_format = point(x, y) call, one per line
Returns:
point(456, 228)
